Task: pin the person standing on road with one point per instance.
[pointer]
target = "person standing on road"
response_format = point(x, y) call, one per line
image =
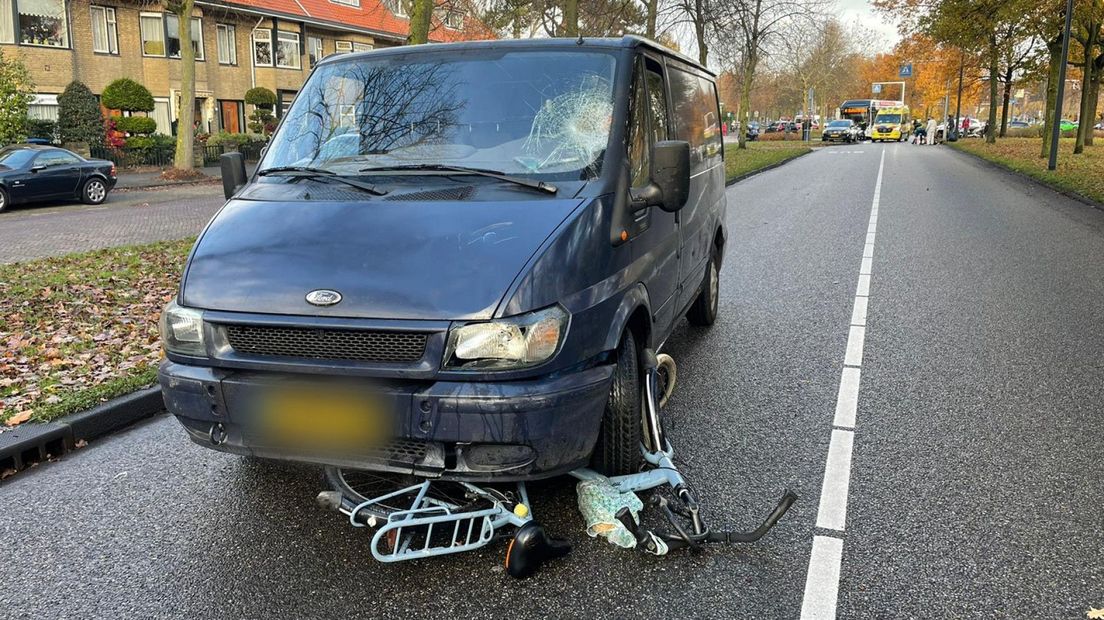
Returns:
point(931, 130)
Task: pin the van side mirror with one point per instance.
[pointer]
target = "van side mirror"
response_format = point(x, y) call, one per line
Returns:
point(670, 186)
point(233, 172)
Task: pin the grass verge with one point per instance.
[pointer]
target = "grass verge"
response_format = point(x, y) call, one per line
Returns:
point(759, 155)
point(1081, 174)
point(81, 329)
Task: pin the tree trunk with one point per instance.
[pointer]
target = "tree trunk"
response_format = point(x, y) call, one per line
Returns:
point(1054, 50)
point(1005, 99)
point(994, 67)
point(699, 30)
point(745, 98)
point(184, 158)
point(1094, 96)
point(421, 14)
point(570, 18)
point(1088, 108)
point(651, 8)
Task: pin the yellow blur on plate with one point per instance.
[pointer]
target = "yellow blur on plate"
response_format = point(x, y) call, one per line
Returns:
point(325, 419)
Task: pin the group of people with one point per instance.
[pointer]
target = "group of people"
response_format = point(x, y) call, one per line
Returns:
point(924, 134)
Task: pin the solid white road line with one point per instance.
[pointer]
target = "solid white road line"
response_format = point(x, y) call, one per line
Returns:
point(832, 513)
point(822, 582)
point(847, 402)
point(858, 315)
point(854, 354)
point(863, 289)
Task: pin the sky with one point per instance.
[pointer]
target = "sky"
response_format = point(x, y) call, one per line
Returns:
point(863, 12)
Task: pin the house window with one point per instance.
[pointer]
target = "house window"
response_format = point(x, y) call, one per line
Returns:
point(314, 48)
point(227, 44)
point(41, 22)
point(454, 20)
point(172, 36)
point(161, 115)
point(105, 34)
point(153, 34)
point(43, 107)
point(348, 2)
point(262, 48)
point(287, 50)
point(398, 7)
point(343, 47)
point(361, 47)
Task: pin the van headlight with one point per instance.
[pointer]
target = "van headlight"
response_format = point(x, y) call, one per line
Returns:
point(182, 330)
point(516, 342)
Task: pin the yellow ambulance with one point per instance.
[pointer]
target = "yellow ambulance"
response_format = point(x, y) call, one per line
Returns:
point(891, 124)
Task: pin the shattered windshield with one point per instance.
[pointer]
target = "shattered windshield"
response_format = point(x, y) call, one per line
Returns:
point(528, 113)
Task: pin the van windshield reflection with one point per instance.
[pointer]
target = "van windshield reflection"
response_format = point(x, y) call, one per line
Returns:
point(540, 113)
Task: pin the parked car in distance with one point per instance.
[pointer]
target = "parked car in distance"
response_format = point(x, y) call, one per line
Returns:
point(468, 300)
point(1018, 125)
point(1067, 125)
point(752, 131)
point(32, 173)
point(844, 130)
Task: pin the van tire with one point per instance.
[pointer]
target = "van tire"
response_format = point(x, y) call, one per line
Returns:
point(618, 449)
point(703, 312)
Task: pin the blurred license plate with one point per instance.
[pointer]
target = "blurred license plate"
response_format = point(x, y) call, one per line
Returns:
point(325, 419)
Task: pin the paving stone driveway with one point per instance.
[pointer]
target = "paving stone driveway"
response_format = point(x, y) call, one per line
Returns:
point(130, 217)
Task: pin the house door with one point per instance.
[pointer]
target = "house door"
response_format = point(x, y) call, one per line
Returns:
point(230, 111)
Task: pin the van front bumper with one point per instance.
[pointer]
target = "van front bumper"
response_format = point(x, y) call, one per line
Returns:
point(473, 431)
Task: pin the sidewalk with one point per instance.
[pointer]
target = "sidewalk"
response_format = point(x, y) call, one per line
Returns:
point(139, 180)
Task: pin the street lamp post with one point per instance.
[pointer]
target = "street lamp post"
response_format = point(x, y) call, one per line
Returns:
point(1056, 129)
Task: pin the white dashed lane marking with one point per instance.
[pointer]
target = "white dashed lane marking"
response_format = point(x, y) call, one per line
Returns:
point(822, 580)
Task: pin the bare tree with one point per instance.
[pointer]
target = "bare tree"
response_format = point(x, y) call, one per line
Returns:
point(756, 24)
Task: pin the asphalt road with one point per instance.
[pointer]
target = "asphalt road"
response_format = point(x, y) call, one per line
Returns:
point(129, 216)
point(975, 479)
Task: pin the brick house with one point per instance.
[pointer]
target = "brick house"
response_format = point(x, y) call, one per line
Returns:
point(239, 44)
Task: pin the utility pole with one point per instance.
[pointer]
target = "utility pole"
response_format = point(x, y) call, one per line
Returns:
point(1056, 130)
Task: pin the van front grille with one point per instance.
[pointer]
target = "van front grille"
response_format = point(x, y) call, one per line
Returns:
point(328, 344)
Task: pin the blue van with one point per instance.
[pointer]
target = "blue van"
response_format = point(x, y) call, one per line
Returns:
point(451, 259)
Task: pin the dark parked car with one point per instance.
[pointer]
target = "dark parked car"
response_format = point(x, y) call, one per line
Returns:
point(467, 289)
point(840, 130)
point(30, 173)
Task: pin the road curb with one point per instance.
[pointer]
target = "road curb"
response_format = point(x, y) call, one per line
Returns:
point(32, 443)
point(1027, 177)
point(766, 168)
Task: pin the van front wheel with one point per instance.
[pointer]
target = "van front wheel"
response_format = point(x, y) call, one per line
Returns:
point(704, 310)
point(618, 449)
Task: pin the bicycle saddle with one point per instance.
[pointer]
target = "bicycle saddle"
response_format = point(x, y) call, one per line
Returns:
point(530, 548)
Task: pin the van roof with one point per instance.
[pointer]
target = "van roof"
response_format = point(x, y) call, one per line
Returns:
point(627, 41)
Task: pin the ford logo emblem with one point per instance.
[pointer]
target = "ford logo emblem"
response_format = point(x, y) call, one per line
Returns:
point(323, 297)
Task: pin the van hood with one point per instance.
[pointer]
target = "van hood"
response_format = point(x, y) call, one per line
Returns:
point(388, 260)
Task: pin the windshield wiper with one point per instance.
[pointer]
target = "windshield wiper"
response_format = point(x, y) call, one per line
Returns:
point(540, 186)
point(307, 172)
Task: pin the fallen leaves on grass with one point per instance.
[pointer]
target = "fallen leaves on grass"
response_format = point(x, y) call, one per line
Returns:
point(19, 418)
point(80, 322)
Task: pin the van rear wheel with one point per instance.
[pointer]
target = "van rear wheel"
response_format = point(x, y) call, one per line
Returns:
point(703, 312)
point(618, 449)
